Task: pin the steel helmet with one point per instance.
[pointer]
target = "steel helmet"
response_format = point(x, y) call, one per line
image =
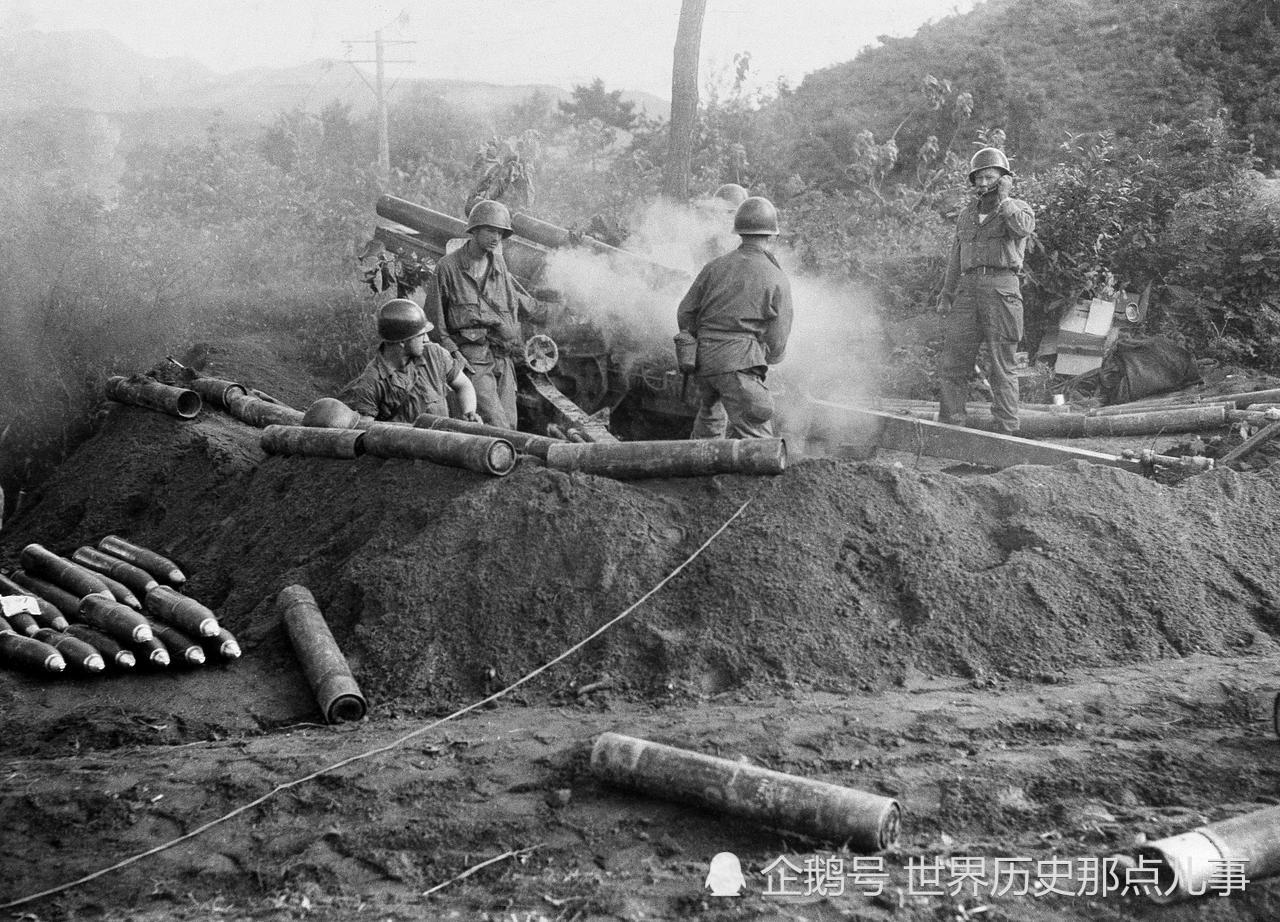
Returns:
point(756, 215)
point(489, 214)
point(989, 156)
point(732, 193)
point(330, 413)
point(401, 319)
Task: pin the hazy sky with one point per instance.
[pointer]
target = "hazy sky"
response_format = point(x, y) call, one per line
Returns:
point(562, 42)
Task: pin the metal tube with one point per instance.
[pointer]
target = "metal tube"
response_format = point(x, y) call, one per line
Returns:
point(40, 562)
point(262, 413)
point(27, 652)
point(482, 454)
point(1189, 863)
point(311, 441)
point(693, 458)
point(114, 619)
point(162, 568)
point(325, 667)
point(151, 394)
point(184, 613)
point(525, 442)
point(139, 581)
point(217, 391)
point(868, 822)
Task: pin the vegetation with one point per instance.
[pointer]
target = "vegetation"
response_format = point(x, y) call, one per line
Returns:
point(1141, 131)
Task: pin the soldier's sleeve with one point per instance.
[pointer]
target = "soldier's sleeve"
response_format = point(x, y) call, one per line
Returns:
point(434, 308)
point(687, 312)
point(1018, 217)
point(952, 277)
point(779, 329)
point(362, 393)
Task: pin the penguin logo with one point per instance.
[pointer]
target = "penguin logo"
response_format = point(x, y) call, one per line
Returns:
point(724, 877)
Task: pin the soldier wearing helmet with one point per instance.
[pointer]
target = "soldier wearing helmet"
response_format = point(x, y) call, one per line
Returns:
point(981, 297)
point(409, 376)
point(476, 306)
point(734, 323)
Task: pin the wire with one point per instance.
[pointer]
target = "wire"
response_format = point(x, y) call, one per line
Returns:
point(280, 788)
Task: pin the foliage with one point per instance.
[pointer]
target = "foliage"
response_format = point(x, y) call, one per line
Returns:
point(594, 102)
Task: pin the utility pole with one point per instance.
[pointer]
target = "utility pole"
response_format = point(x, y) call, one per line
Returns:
point(380, 91)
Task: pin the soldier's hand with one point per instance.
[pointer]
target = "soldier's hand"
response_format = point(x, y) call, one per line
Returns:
point(1003, 187)
point(472, 417)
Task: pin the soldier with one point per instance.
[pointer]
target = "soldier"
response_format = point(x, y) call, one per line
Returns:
point(409, 376)
point(476, 306)
point(980, 294)
point(734, 322)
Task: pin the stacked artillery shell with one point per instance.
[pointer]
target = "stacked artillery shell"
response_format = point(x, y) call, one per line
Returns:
point(138, 580)
point(147, 392)
point(162, 568)
point(479, 453)
point(20, 622)
point(48, 616)
point(46, 565)
point(182, 649)
point(64, 603)
point(153, 653)
point(76, 652)
point(114, 619)
point(186, 614)
point(28, 652)
point(325, 667)
point(224, 644)
point(868, 822)
point(111, 650)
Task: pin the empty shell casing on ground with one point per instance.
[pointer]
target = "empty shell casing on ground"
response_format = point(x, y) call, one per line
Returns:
point(693, 458)
point(868, 822)
point(224, 644)
point(147, 392)
point(110, 648)
point(262, 413)
point(183, 612)
point(48, 616)
point(76, 652)
point(479, 453)
point(312, 442)
point(525, 442)
point(162, 568)
point(323, 664)
point(29, 653)
point(139, 581)
point(66, 604)
point(42, 563)
point(114, 619)
point(1189, 864)
point(217, 392)
point(182, 648)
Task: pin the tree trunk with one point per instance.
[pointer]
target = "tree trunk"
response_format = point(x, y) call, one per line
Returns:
point(684, 97)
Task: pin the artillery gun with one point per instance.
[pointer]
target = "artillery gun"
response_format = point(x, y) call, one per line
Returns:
point(589, 377)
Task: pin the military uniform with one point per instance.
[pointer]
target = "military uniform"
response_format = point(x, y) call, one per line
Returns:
point(391, 394)
point(739, 310)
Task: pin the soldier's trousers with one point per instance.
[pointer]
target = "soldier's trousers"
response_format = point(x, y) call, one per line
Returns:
point(735, 405)
point(986, 309)
point(495, 384)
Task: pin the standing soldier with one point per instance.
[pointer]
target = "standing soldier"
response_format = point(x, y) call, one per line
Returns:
point(408, 376)
point(734, 322)
point(476, 306)
point(980, 294)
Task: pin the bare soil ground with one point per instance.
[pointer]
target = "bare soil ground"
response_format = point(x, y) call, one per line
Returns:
point(1039, 664)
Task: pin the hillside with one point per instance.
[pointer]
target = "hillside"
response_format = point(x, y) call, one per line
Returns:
point(1046, 69)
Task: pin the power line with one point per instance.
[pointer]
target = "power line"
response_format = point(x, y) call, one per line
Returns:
point(380, 93)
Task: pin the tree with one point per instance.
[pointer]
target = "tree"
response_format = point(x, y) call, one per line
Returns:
point(593, 102)
point(684, 97)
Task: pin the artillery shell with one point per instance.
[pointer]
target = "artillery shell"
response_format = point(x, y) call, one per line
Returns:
point(21, 622)
point(77, 652)
point(5, 626)
point(153, 653)
point(114, 619)
point(63, 604)
point(120, 592)
point(42, 563)
point(27, 652)
point(185, 613)
point(48, 613)
point(224, 644)
point(181, 647)
point(109, 647)
point(139, 581)
point(162, 568)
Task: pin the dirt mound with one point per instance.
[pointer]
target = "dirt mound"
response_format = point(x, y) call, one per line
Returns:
point(838, 575)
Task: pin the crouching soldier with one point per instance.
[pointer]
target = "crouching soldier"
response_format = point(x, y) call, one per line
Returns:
point(409, 376)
